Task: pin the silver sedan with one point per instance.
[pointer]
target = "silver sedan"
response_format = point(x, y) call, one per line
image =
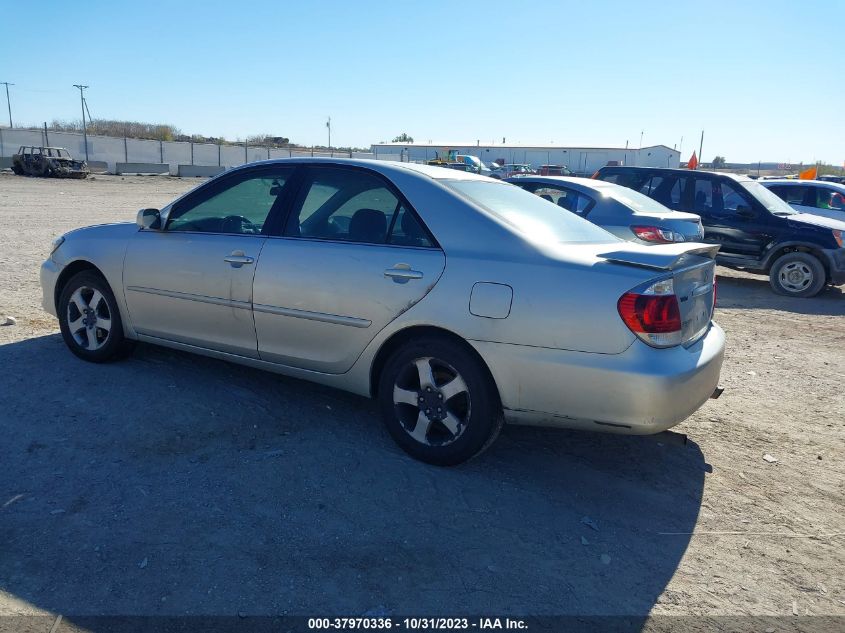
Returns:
point(457, 301)
point(627, 214)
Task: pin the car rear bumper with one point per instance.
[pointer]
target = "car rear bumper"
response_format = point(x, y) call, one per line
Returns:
point(640, 391)
point(49, 276)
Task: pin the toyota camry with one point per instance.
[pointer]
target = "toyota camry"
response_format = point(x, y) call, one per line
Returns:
point(457, 301)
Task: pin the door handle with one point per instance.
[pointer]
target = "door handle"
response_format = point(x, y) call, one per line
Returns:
point(238, 259)
point(401, 273)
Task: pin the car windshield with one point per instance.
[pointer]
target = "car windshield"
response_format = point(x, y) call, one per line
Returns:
point(532, 216)
point(769, 200)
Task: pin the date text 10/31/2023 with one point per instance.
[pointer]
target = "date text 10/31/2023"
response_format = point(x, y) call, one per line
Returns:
point(413, 624)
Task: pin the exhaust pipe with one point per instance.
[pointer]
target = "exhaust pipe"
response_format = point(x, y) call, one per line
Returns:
point(716, 393)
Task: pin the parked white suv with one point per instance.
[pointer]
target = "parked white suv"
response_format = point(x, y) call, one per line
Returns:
point(816, 197)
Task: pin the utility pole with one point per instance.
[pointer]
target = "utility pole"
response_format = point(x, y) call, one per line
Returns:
point(8, 102)
point(700, 146)
point(84, 127)
point(329, 127)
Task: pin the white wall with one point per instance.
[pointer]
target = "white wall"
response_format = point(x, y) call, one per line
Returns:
point(117, 150)
point(578, 159)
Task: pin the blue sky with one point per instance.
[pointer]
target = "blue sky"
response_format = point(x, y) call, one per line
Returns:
point(763, 79)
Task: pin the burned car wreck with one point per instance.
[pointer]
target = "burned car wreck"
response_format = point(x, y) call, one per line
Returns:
point(48, 162)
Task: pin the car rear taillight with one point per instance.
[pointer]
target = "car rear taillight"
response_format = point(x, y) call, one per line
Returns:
point(656, 234)
point(653, 313)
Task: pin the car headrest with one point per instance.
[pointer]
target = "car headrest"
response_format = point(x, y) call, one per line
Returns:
point(368, 225)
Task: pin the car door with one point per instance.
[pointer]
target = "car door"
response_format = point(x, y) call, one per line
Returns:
point(799, 197)
point(352, 257)
point(825, 200)
point(730, 218)
point(191, 281)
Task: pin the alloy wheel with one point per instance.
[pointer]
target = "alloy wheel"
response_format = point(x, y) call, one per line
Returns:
point(89, 319)
point(431, 401)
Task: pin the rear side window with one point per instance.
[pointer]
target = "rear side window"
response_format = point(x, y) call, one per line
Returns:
point(353, 206)
point(667, 190)
point(632, 180)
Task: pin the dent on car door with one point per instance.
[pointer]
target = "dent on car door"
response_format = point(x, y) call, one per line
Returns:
point(353, 256)
point(191, 282)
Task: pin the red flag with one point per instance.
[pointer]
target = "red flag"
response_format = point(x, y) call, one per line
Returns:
point(808, 174)
point(693, 162)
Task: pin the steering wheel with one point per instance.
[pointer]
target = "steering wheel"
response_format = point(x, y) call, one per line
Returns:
point(238, 224)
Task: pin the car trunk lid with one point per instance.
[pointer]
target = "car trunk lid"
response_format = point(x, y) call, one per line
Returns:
point(692, 269)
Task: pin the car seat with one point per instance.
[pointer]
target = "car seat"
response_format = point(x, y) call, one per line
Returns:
point(368, 225)
point(567, 202)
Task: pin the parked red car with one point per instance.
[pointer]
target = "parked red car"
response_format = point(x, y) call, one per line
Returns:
point(554, 170)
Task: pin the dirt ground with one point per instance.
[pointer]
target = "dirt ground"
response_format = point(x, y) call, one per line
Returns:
point(172, 484)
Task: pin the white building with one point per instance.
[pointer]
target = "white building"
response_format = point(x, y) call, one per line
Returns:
point(581, 160)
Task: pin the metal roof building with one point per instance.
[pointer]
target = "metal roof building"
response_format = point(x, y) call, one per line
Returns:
point(581, 160)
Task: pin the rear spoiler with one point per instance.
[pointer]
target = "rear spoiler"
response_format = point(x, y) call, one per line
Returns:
point(662, 256)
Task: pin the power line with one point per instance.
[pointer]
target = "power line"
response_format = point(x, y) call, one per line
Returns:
point(84, 128)
point(8, 102)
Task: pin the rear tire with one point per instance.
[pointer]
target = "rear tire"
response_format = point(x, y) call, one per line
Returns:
point(90, 319)
point(797, 274)
point(438, 401)
point(17, 169)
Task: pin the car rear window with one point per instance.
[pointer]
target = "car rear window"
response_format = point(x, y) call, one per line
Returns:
point(529, 214)
point(635, 200)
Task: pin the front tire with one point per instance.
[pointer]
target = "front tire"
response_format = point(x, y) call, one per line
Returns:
point(438, 401)
point(90, 320)
point(797, 274)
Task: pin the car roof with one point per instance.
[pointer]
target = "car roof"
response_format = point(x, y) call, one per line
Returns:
point(795, 182)
point(672, 170)
point(584, 183)
point(384, 167)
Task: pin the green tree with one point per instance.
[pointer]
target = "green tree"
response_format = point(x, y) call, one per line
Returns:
point(403, 138)
point(719, 161)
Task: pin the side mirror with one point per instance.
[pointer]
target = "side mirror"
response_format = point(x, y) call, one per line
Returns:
point(149, 219)
point(745, 211)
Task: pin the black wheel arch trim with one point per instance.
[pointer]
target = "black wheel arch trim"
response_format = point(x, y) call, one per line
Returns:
point(774, 252)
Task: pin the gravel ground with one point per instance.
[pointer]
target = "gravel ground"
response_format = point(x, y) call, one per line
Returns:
point(172, 484)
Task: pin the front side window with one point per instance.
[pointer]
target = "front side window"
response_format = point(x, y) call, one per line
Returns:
point(239, 205)
point(828, 199)
point(718, 198)
point(790, 194)
point(353, 206)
